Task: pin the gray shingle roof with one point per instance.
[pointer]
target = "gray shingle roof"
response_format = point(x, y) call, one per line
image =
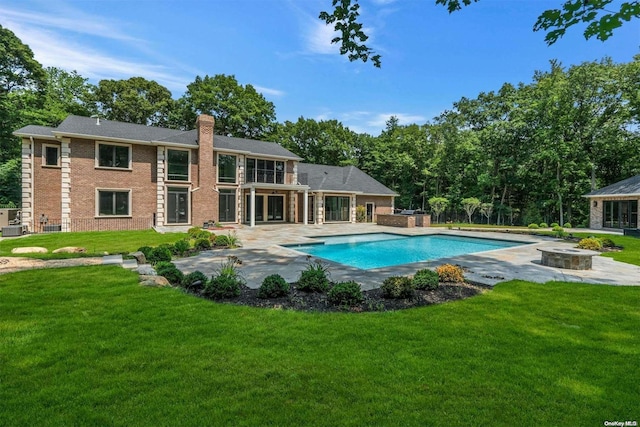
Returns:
point(109, 129)
point(251, 145)
point(625, 187)
point(340, 178)
point(33, 130)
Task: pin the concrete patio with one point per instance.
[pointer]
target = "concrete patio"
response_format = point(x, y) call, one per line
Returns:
point(262, 255)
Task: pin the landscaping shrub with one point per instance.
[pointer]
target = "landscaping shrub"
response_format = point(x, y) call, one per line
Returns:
point(590, 243)
point(533, 226)
point(273, 286)
point(345, 294)
point(194, 281)
point(554, 224)
point(557, 228)
point(567, 225)
point(170, 272)
point(146, 250)
point(212, 238)
point(193, 232)
point(361, 213)
point(450, 273)
point(221, 241)
point(544, 225)
point(180, 247)
point(397, 287)
point(222, 286)
point(161, 253)
point(232, 240)
point(607, 242)
point(314, 278)
point(426, 280)
point(202, 244)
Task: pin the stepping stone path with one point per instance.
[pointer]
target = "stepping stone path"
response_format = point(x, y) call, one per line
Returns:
point(70, 250)
point(112, 260)
point(29, 250)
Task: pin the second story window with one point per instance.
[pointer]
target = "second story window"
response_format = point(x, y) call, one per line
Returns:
point(50, 155)
point(177, 165)
point(114, 156)
point(227, 168)
point(265, 171)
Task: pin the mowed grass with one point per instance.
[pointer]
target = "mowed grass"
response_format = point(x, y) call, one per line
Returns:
point(95, 242)
point(89, 346)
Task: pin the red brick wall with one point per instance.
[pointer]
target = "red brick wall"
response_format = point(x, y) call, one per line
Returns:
point(383, 204)
point(85, 178)
point(204, 201)
point(47, 198)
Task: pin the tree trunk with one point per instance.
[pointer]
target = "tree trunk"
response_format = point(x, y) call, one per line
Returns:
point(559, 194)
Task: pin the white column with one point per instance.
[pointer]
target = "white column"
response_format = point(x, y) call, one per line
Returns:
point(353, 208)
point(319, 208)
point(253, 207)
point(27, 183)
point(160, 200)
point(305, 210)
point(65, 166)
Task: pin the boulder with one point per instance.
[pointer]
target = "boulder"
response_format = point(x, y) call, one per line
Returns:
point(146, 270)
point(156, 281)
point(29, 250)
point(139, 256)
point(70, 250)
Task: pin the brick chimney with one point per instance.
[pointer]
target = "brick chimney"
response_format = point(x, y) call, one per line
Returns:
point(204, 200)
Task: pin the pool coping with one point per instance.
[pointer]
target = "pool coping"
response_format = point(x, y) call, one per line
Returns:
point(262, 255)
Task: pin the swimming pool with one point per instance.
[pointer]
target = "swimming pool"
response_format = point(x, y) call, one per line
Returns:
point(376, 250)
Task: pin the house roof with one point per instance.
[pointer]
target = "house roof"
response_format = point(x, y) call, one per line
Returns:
point(109, 129)
point(340, 179)
point(626, 187)
point(33, 130)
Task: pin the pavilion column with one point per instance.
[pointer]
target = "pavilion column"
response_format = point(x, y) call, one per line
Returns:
point(305, 210)
point(253, 207)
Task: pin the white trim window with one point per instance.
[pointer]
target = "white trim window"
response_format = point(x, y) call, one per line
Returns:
point(227, 168)
point(265, 171)
point(113, 155)
point(113, 202)
point(51, 155)
point(178, 165)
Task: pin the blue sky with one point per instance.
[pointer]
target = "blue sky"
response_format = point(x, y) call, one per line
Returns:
point(430, 58)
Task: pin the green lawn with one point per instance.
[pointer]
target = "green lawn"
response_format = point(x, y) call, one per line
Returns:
point(96, 242)
point(89, 346)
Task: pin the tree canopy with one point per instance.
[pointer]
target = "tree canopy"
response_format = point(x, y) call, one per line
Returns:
point(345, 18)
point(527, 152)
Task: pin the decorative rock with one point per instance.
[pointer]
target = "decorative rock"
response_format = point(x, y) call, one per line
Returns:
point(156, 281)
point(70, 250)
point(29, 250)
point(146, 270)
point(139, 256)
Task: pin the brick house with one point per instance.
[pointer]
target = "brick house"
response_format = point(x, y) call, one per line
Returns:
point(96, 174)
point(615, 206)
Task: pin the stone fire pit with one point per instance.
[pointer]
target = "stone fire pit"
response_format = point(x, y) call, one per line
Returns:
point(572, 259)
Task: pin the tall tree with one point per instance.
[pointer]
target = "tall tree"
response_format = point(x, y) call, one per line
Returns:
point(239, 111)
point(64, 93)
point(19, 72)
point(135, 100)
point(325, 142)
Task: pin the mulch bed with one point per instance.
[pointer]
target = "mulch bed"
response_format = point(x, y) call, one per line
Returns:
point(373, 300)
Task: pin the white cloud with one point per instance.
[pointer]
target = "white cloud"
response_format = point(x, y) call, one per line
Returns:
point(77, 22)
point(52, 49)
point(380, 119)
point(318, 38)
point(269, 91)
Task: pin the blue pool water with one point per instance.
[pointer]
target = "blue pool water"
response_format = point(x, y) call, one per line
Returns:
point(367, 251)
